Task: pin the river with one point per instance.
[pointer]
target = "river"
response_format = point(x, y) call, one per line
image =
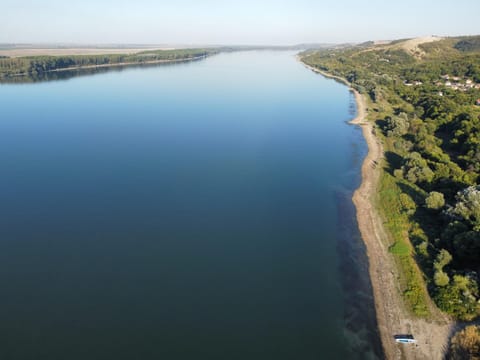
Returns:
point(191, 211)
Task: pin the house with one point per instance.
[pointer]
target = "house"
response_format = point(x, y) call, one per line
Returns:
point(468, 81)
point(477, 102)
point(448, 83)
point(445, 77)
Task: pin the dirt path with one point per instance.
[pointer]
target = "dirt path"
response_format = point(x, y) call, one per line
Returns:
point(393, 318)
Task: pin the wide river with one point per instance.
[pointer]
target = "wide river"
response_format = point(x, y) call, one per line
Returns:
point(190, 211)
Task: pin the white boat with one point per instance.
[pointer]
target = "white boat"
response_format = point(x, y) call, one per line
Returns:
point(405, 339)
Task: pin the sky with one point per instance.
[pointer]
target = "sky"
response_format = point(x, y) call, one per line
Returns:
point(232, 22)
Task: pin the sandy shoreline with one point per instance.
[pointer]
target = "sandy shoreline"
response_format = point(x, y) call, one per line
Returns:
point(392, 317)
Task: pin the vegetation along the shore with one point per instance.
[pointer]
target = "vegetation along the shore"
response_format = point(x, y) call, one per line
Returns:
point(37, 67)
point(425, 101)
point(465, 345)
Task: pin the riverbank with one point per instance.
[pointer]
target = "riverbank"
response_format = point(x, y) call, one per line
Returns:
point(131, 63)
point(121, 64)
point(392, 316)
point(35, 67)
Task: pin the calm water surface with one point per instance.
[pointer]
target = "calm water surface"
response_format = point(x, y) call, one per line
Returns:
point(191, 211)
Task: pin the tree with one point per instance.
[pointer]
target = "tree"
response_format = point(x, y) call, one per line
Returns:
point(408, 205)
point(443, 259)
point(467, 207)
point(465, 345)
point(459, 297)
point(415, 168)
point(435, 200)
point(441, 278)
point(467, 247)
point(396, 125)
point(463, 230)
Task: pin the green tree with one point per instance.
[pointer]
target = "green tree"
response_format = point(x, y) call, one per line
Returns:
point(396, 125)
point(441, 278)
point(408, 205)
point(435, 200)
point(459, 298)
point(467, 207)
point(442, 260)
point(415, 169)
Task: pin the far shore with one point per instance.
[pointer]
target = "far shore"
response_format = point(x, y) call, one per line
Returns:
point(71, 51)
point(150, 62)
point(393, 318)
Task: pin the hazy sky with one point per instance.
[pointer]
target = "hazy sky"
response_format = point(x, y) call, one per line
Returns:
point(232, 21)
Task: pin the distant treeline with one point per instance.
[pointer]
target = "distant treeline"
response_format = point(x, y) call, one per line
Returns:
point(471, 43)
point(33, 66)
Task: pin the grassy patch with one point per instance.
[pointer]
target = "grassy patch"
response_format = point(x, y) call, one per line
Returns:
point(397, 223)
point(400, 248)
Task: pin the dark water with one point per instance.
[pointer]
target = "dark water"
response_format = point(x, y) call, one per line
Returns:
point(195, 211)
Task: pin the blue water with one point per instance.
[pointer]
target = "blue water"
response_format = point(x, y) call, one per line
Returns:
point(194, 211)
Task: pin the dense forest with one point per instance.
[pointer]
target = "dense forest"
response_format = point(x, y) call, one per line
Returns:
point(36, 66)
point(426, 107)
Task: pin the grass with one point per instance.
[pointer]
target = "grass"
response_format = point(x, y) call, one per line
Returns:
point(397, 223)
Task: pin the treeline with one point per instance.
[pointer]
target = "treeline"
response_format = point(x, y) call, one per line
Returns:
point(32, 66)
point(470, 43)
point(427, 112)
